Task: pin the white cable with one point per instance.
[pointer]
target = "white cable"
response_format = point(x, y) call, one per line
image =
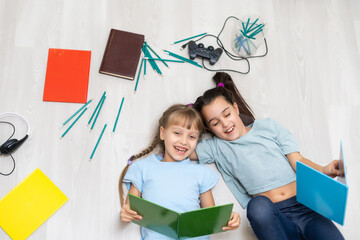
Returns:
point(11, 114)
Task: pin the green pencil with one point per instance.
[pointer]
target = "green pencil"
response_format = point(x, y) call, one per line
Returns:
point(73, 123)
point(144, 46)
point(189, 38)
point(75, 113)
point(183, 58)
point(166, 60)
point(97, 114)
point(152, 62)
point(117, 117)
point(97, 143)
point(157, 55)
point(147, 54)
point(137, 80)
point(249, 29)
point(97, 106)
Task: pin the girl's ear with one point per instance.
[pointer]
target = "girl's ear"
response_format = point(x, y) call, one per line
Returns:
point(236, 108)
point(162, 130)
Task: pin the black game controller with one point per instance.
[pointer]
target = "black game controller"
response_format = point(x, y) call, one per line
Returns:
point(198, 50)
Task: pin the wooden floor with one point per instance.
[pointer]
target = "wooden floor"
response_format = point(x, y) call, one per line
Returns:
point(309, 82)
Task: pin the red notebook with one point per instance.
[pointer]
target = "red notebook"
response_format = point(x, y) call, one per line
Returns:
point(67, 76)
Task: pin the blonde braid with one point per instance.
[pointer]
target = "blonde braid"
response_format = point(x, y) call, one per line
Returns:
point(156, 141)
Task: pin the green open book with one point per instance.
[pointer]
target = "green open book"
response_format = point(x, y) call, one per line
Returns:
point(195, 223)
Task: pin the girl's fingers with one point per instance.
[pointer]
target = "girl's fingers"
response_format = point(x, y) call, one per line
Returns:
point(137, 217)
point(131, 212)
point(126, 219)
point(129, 218)
point(233, 223)
point(127, 215)
point(226, 228)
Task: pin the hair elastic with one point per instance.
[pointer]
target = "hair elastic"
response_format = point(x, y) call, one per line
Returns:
point(190, 104)
point(220, 84)
point(129, 162)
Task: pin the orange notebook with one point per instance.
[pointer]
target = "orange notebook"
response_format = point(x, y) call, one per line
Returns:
point(67, 76)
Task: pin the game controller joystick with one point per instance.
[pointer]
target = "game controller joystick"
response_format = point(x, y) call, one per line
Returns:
point(199, 50)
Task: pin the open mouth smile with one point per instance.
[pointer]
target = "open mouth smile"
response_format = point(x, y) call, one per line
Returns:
point(229, 130)
point(180, 149)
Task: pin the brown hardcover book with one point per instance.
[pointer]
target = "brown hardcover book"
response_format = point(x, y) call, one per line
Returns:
point(122, 53)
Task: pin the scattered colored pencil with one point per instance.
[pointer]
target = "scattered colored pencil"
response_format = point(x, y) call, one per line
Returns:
point(97, 114)
point(147, 54)
point(144, 46)
point(139, 73)
point(156, 55)
point(97, 106)
point(97, 143)
point(75, 113)
point(145, 68)
point(117, 117)
point(162, 59)
point(67, 130)
point(202, 34)
point(183, 58)
point(152, 62)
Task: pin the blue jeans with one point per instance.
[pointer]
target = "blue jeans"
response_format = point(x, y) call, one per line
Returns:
point(288, 219)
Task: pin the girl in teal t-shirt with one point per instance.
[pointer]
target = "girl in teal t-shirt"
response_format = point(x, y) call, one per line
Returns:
point(258, 162)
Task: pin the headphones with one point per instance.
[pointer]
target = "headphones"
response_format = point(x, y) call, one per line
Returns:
point(12, 143)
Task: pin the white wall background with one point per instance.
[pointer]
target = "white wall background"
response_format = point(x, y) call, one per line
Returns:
point(309, 82)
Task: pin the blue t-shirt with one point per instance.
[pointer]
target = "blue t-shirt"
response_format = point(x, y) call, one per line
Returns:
point(174, 185)
point(254, 163)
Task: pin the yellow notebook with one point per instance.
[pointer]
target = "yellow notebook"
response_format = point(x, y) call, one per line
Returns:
point(29, 205)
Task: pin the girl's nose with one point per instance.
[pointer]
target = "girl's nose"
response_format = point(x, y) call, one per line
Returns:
point(183, 139)
point(224, 123)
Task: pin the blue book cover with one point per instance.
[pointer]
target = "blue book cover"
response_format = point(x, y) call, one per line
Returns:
point(321, 193)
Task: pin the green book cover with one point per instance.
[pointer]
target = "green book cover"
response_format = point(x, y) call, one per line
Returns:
point(195, 223)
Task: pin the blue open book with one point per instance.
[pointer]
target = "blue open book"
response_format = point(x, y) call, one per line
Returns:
point(321, 193)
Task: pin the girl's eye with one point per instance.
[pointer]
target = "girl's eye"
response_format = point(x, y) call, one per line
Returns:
point(215, 124)
point(228, 114)
point(193, 137)
point(176, 133)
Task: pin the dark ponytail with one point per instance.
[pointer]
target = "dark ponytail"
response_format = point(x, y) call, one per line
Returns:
point(230, 93)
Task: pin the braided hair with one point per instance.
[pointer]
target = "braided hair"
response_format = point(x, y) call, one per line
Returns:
point(178, 114)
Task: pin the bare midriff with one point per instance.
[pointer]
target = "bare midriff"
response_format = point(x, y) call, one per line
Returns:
point(281, 193)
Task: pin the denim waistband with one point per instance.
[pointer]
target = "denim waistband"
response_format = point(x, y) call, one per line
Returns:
point(287, 202)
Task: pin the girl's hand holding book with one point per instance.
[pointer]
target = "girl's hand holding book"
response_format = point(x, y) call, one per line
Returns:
point(332, 169)
point(127, 215)
point(233, 223)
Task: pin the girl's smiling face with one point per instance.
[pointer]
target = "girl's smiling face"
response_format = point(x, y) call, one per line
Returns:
point(179, 142)
point(222, 118)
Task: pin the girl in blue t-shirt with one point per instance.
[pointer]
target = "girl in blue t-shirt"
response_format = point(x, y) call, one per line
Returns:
point(172, 180)
point(257, 159)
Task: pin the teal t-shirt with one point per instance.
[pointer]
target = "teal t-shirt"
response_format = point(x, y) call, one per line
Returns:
point(174, 185)
point(253, 163)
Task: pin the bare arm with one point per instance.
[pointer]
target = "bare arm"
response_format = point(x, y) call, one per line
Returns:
point(332, 169)
point(127, 215)
point(207, 199)
point(193, 156)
